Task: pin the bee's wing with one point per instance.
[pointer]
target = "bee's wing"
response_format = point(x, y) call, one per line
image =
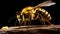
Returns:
point(46, 3)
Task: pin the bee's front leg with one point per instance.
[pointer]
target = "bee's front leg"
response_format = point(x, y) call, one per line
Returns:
point(23, 20)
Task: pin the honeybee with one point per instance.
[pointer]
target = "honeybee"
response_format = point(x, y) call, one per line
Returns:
point(32, 13)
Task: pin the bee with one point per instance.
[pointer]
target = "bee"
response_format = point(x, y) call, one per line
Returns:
point(32, 13)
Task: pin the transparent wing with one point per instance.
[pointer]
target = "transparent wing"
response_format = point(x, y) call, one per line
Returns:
point(49, 4)
point(46, 3)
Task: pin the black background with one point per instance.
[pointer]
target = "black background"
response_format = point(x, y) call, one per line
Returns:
point(8, 8)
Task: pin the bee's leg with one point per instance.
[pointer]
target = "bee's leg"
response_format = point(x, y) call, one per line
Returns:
point(24, 23)
point(23, 20)
point(44, 22)
point(42, 19)
point(20, 23)
point(29, 22)
point(38, 17)
point(48, 22)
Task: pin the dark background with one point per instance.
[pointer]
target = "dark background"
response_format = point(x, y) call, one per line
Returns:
point(8, 8)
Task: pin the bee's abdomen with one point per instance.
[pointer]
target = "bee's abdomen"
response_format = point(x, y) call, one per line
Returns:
point(44, 14)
